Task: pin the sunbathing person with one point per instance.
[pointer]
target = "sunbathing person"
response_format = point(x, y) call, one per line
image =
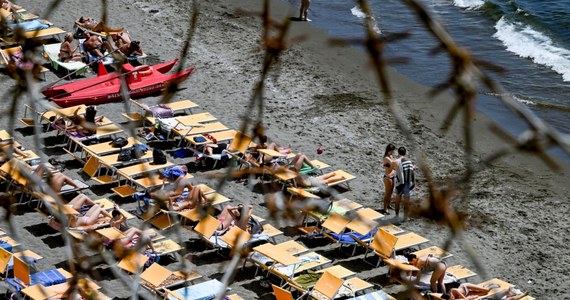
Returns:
point(134, 238)
point(179, 199)
point(95, 26)
point(67, 52)
point(56, 180)
point(117, 218)
point(7, 146)
point(298, 161)
point(134, 235)
point(429, 263)
point(325, 179)
point(130, 49)
point(94, 46)
point(86, 125)
point(230, 216)
point(271, 146)
point(469, 291)
point(90, 217)
point(82, 125)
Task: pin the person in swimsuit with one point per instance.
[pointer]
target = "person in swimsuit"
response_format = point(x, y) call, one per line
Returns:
point(93, 25)
point(469, 291)
point(89, 218)
point(388, 178)
point(8, 146)
point(66, 52)
point(175, 198)
point(429, 263)
point(56, 180)
point(94, 46)
point(231, 216)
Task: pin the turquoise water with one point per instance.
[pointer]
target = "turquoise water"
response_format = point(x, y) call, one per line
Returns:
point(530, 39)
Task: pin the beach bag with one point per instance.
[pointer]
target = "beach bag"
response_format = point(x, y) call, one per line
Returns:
point(161, 111)
point(125, 155)
point(158, 157)
point(138, 150)
point(119, 142)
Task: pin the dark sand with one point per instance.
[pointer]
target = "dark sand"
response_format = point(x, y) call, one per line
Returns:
point(322, 96)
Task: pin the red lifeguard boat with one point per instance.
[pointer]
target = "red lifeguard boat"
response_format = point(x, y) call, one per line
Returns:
point(141, 80)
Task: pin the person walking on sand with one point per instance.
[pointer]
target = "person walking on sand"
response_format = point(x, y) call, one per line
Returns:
point(389, 175)
point(304, 10)
point(405, 181)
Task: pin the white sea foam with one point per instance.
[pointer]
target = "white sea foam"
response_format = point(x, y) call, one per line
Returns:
point(525, 101)
point(526, 42)
point(469, 4)
point(357, 12)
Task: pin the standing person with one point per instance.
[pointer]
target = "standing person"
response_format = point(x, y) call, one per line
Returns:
point(388, 178)
point(405, 181)
point(304, 10)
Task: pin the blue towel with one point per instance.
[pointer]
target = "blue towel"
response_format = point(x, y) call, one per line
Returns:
point(173, 173)
point(46, 278)
point(30, 25)
point(6, 246)
point(182, 153)
point(347, 237)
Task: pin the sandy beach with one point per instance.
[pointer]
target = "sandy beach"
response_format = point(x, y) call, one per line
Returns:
point(318, 96)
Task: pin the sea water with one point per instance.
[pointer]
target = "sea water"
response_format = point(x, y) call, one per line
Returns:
point(530, 39)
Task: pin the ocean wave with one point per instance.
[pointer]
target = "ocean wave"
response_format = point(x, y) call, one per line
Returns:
point(538, 103)
point(469, 4)
point(527, 42)
point(357, 12)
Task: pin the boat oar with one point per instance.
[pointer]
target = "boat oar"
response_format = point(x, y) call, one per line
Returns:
point(82, 68)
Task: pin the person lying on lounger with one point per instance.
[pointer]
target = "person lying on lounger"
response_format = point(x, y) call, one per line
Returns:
point(96, 26)
point(265, 159)
point(82, 125)
point(469, 291)
point(316, 181)
point(8, 145)
point(56, 180)
point(183, 195)
point(134, 236)
point(231, 216)
point(95, 46)
point(90, 217)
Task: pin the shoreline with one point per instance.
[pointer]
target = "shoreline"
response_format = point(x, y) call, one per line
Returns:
point(327, 96)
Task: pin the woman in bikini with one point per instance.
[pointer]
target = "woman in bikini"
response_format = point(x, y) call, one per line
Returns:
point(388, 178)
point(95, 26)
point(469, 291)
point(231, 216)
point(66, 52)
point(429, 263)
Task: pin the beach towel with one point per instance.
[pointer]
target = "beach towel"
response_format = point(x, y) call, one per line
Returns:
point(6, 246)
point(29, 25)
point(181, 153)
point(46, 278)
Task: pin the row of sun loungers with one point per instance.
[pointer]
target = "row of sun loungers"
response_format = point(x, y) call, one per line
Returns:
point(343, 222)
